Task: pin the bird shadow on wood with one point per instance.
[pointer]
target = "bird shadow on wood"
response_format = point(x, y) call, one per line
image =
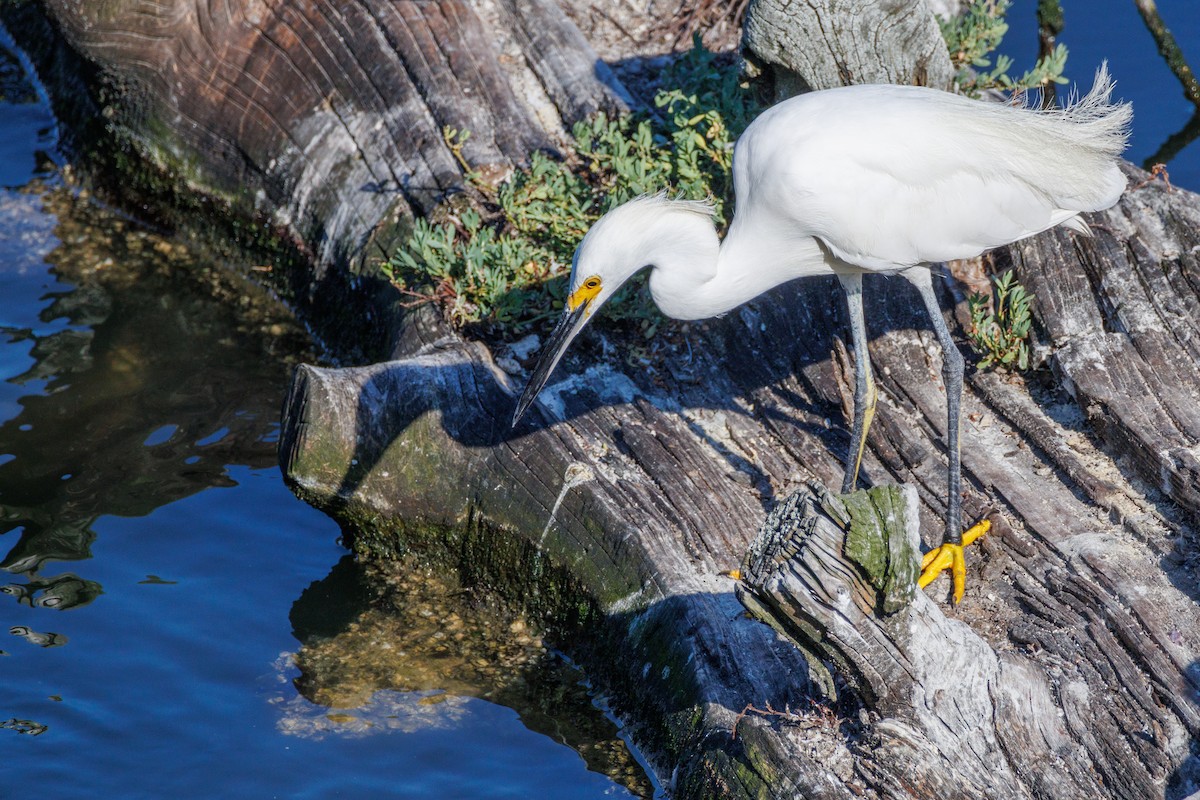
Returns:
point(769, 360)
point(454, 393)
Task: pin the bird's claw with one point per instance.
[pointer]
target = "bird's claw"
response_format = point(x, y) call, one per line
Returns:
point(951, 556)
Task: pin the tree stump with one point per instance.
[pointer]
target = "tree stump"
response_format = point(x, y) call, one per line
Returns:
point(820, 45)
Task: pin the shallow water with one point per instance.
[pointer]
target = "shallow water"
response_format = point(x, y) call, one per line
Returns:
point(162, 588)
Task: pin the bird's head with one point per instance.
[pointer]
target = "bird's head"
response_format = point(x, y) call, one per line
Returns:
point(596, 275)
point(624, 241)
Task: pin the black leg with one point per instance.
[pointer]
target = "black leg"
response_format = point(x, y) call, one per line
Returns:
point(952, 375)
point(864, 383)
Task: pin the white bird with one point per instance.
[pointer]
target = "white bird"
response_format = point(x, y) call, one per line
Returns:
point(871, 178)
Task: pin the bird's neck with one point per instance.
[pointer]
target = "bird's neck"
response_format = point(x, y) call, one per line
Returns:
point(705, 279)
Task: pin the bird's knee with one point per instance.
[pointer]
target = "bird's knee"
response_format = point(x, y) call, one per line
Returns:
point(952, 362)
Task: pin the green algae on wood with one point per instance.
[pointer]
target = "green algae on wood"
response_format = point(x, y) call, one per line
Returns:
point(877, 541)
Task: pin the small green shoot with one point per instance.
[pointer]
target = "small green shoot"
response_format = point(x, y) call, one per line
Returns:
point(1000, 324)
point(455, 139)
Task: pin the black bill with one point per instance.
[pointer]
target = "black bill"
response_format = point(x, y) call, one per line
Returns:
point(570, 324)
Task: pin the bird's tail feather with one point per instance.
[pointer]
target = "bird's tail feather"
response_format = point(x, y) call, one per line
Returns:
point(1075, 149)
point(1102, 124)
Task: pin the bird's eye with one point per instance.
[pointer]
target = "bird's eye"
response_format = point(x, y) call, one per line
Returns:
point(592, 283)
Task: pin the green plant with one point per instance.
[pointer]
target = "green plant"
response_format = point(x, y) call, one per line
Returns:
point(506, 267)
point(973, 36)
point(1000, 324)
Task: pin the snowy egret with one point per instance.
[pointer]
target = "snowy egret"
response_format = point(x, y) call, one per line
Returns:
point(871, 178)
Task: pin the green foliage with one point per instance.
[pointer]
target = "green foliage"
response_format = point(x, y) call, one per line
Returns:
point(1000, 324)
point(975, 35)
point(507, 266)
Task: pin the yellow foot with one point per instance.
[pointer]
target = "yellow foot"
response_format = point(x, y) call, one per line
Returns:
point(951, 556)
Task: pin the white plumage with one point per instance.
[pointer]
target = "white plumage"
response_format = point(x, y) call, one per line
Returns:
point(874, 178)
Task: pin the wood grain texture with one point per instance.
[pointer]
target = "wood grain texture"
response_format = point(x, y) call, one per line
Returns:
point(563, 60)
point(1077, 642)
point(820, 44)
point(329, 118)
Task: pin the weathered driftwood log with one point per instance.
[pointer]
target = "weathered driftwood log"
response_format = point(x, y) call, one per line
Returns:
point(331, 117)
point(423, 441)
point(952, 717)
point(323, 126)
point(1077, 636)
point(836, 575)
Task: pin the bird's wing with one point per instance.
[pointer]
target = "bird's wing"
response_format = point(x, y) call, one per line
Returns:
point(878, 220)
point(892, 176)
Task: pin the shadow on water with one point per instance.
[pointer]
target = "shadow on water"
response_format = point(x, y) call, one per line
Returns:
point(137, 377)
point(135, 374)
point(441, 633)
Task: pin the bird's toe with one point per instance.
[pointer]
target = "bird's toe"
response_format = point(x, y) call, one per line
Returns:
point(950, 556)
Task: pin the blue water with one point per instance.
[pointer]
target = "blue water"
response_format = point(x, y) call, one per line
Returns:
point(153, 565)
point(173, 689)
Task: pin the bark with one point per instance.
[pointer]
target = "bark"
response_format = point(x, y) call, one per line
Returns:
point(820, 45)
point(315, 130)
point(334, 114)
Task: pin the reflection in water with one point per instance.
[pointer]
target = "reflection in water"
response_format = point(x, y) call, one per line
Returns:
point(52, 542)
point(128, 387)
point(27, 726)
point(422, 653)
point(37, 638)
point(133, 376)
point(61, 592)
